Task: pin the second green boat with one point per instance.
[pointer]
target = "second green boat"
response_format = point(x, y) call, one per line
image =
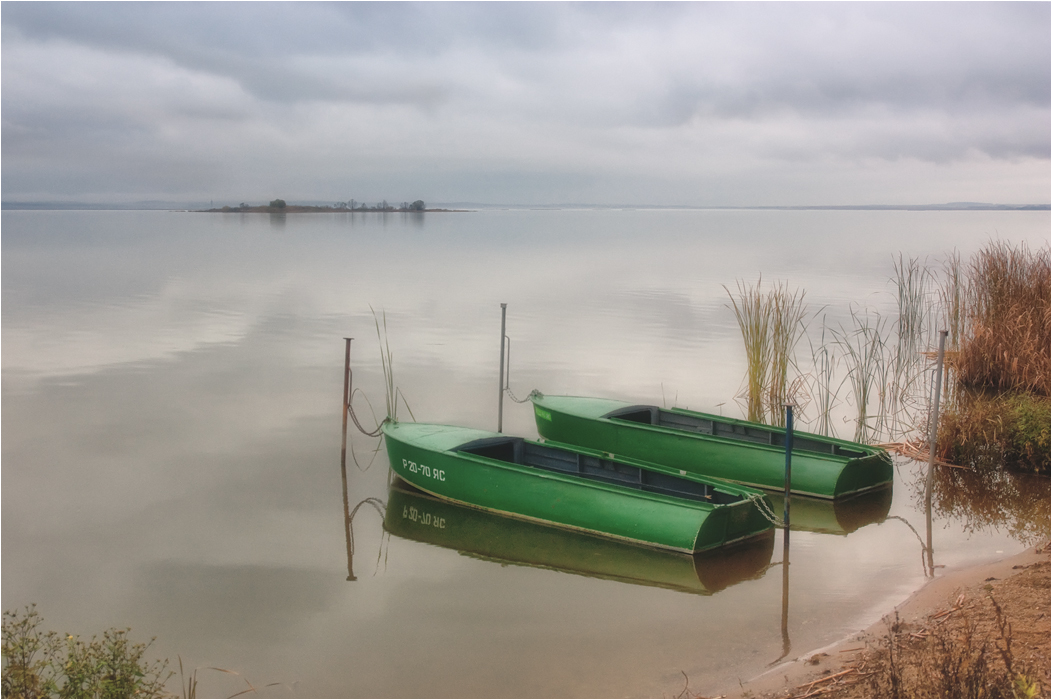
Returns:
point(747, 453)
point(575, 488)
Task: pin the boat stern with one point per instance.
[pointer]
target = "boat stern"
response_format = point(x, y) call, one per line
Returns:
point(867, 473)
point(734, 522)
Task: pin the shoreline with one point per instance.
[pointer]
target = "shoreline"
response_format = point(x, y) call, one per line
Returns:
point(305, 209)
point(929, 600)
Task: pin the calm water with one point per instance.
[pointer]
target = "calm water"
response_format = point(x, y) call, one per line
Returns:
point(171, 425)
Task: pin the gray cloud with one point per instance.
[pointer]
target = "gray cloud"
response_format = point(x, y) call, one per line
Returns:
point(180, 99)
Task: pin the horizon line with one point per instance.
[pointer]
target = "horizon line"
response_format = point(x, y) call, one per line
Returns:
point(145, 205)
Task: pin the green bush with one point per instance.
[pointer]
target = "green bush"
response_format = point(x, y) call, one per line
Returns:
point(991, 430)
point(39, 664)
point(277, 203)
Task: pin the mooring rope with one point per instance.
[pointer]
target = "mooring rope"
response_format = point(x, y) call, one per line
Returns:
point(531, 395)
point(354, 417)
point(374, 433)
point(761, 504)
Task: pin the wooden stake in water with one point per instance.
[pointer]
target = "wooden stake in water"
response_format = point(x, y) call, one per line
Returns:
point(343, 455)
point(346, 391)
point(500, 404)
point(933, 437)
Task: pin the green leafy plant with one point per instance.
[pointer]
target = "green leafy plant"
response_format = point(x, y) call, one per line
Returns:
point(41, 664)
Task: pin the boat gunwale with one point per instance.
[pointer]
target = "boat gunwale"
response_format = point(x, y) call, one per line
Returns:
point(745, 492)
point(734, 488)
point(867, 450)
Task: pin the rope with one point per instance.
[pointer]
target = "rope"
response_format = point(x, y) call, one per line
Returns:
point(374, 433)
point(354, 417)
point(531, 395)
point(761, 504)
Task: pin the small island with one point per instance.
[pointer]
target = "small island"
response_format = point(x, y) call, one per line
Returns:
point(278, 206)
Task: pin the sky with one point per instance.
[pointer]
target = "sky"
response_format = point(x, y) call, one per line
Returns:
point(691, 104)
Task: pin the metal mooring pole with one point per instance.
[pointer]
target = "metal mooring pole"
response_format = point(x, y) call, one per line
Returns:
point(933, 436)
point(500, 404)
point(788, 462)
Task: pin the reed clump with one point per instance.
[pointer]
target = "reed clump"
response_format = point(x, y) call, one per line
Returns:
point(1007, 336)
point(771, 325)
point(1000, 410)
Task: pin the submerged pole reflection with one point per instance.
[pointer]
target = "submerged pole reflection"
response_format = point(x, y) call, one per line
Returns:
point(786, 643)
point(932, 440)
point(343, 457)
point(348, 514)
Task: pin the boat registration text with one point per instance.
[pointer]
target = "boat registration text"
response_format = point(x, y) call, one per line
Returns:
point(424, 470)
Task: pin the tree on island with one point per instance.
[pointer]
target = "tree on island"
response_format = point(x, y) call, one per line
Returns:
point(278, 203)
point(418, 205)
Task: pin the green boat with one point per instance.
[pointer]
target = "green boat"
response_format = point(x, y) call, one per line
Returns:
point(575, 488)
point(747, 453)
point(417, 516)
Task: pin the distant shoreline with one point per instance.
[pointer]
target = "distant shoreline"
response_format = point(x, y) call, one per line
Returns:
point(472, 206)
point(298, 209)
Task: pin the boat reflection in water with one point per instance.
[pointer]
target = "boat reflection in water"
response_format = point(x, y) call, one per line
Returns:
point(839, 517)
point(414, 515)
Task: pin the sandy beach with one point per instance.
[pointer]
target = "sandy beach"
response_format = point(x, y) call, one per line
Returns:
point(829, 671)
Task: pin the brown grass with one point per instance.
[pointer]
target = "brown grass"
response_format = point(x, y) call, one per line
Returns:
point(988, 642)
point(1006, 341)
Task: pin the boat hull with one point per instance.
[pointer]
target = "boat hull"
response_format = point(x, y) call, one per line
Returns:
point(428, 457)
point(746, 453)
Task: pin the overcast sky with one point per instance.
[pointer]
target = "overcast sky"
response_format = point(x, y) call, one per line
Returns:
point(683, 103)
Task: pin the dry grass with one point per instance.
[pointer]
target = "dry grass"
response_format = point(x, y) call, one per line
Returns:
point(998, 412)
point(1006, 340)
point(969, 649)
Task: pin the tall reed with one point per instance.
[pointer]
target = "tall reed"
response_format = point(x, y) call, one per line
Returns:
point(771, 324)
point(754, 318)
point(901, 402)
point(952, 291)
point(387, 362)
point(785, 328)
point(864, 351)
point(825, 362)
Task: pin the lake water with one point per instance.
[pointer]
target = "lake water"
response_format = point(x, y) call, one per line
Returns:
point(171, 442)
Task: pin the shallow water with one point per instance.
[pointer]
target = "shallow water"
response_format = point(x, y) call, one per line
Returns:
point(171, 415)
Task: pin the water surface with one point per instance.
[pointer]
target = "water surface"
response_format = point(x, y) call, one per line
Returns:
point(171, 424)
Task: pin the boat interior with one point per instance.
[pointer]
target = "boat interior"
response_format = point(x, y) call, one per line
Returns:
point(652, 415)
point(516, 450)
